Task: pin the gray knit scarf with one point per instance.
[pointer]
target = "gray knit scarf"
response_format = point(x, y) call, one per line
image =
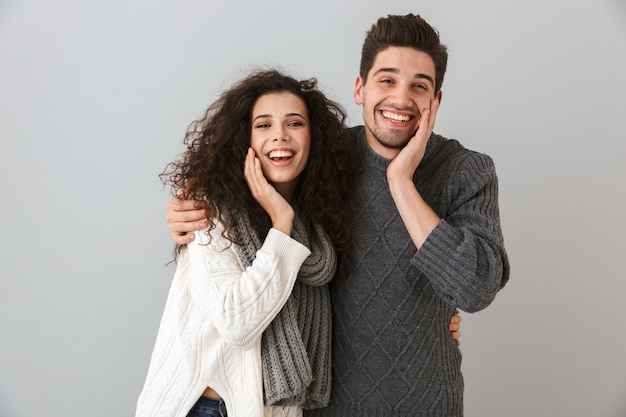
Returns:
point(295, 347)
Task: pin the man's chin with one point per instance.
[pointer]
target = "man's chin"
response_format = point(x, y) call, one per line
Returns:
point(393, 143)
point(391, 140)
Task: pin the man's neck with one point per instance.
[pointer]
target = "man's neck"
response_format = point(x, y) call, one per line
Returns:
point(378, 148)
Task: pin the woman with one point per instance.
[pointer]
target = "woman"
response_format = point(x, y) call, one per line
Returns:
point(247, 320)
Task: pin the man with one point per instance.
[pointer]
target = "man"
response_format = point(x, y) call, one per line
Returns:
point(426, 237)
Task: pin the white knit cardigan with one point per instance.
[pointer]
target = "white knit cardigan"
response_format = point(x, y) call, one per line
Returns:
point(210, 332)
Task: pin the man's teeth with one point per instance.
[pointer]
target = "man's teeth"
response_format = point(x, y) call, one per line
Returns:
point(396, 117)
point(280, 154)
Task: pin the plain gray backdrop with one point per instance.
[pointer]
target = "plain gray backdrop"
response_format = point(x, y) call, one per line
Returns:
point(95, 97)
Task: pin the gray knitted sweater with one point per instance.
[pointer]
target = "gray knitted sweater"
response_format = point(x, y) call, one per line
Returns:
point(392, 353)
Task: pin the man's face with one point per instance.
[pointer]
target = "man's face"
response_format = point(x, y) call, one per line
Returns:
point(400, 85)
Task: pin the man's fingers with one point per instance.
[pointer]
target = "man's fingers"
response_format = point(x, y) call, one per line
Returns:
point(434, 106)
point(174, 216)
point(183, 218)
point(455, 327)
point(187, 227)
point(182, 239)
point(456, 318)
point(183, 232)
point(185, 210)
point(427, 119)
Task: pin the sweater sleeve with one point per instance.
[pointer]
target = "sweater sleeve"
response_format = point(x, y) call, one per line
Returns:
point(464, 256)
point(240, 302)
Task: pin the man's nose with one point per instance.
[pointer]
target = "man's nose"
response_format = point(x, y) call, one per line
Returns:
point(403, 96)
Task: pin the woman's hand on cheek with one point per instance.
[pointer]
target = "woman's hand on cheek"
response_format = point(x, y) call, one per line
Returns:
point(280, 211)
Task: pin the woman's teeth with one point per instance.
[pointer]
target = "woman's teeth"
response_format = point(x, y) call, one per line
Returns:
point(280, 154)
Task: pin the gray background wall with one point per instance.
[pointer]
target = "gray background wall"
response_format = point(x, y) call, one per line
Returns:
point(94, 100)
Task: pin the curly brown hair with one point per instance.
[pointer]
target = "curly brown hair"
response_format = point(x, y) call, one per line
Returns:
point(211, 169)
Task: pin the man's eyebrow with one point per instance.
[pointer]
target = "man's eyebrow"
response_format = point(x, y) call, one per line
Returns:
point(425, 77)
point(390, 69)
point(393, 70)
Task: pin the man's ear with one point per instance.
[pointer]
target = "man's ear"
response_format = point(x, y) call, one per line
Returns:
point(439, 96)
point(358, 91)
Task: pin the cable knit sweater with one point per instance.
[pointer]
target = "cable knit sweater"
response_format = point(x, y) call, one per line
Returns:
point(392, 353)
point(210, 333)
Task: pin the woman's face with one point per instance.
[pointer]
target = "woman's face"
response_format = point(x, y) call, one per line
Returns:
point(281, 138)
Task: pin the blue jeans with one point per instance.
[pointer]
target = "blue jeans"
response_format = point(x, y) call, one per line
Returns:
point(208, 407)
